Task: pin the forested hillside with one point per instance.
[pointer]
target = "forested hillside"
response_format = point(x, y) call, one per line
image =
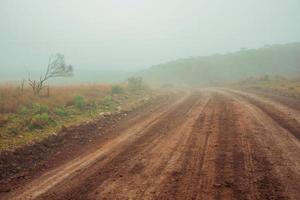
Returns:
point(270, 60)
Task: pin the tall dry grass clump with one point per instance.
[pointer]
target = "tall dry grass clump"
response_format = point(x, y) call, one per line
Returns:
point(12, 98)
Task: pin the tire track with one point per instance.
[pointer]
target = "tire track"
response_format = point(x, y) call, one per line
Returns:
point(284, 116)
point(273, 152)
point(72, 168)
point(243, 170)
point(185, 182)
point(216, 144)
point(89, 180)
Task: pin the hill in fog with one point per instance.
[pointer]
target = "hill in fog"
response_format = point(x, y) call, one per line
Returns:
point(270, 60)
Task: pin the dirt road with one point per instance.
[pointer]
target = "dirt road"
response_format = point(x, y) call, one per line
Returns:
point(207, 144)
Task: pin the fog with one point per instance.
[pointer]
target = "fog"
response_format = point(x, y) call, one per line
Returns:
point(134, 34)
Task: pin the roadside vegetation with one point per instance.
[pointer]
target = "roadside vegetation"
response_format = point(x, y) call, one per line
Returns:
point(285, 86)
point(26, 117)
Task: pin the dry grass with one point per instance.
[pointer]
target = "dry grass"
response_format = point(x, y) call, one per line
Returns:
point(12, 98)
point(25, 118)
point(281, 85)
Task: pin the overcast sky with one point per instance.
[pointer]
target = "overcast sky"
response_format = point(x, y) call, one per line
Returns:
point(135, 34)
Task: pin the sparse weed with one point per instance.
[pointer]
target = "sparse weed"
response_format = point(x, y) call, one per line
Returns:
point(109, 103)
point(39, 109)
point(107, 100)
point(61, 111)
point(79, 102)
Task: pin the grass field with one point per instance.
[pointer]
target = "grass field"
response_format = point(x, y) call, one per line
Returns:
point(27, 118)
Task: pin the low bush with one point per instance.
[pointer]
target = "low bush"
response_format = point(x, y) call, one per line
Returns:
point(79, 102)
point(116, 89)
point(39, 109)
point(39, 121)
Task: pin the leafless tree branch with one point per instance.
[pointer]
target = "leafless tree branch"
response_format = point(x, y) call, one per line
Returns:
point(56, 68)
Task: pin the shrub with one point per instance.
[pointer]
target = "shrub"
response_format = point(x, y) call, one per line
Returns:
point(60, 111)
point(38, 121)
point(39, 109)
point(79, 102)
point(116, 89)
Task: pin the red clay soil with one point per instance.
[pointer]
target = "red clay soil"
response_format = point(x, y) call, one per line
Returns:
point(290, 99)
point(22, 164)
point(207, 144)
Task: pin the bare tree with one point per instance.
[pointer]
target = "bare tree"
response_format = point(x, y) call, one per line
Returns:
point(56, 68)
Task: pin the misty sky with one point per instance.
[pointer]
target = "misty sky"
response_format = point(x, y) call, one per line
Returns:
point(135, 34)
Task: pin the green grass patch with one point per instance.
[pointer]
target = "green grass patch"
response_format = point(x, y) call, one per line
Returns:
point(79, 102)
